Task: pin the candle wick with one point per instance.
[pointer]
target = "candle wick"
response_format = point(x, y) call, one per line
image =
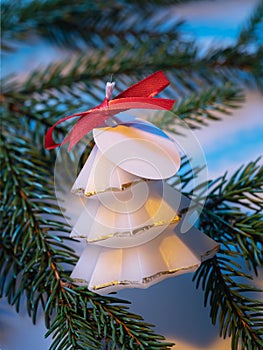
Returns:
point(109, 89)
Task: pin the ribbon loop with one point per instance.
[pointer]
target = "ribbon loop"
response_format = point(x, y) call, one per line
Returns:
point(139, 95)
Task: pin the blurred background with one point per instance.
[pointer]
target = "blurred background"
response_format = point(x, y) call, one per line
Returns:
point(174, 305)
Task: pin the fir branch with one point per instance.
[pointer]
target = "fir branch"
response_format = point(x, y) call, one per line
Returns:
point(82, 24)
point(85, 68)
point(153, 49)
point(34, 117)
point(239, 315)
point(233, 211)
point(252, 30)
point(201, 107)
point(236, 61)
point(232, 215)
point(243, 188)
point(27, 229)
point(112, 324)
point(32, 257)
point(57, 20)
point(188, 71)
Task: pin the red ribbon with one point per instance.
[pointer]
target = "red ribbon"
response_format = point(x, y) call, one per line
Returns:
point(139, 95)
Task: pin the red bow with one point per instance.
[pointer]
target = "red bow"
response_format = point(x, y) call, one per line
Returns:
point(139, 95)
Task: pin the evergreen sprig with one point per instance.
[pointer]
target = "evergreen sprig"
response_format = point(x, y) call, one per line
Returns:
point(234, 210)
point(233, 216)
point(198, 109)
point(232, 303)
point(32, 227)
point(88, 320)
point(59, 21)
point(189, 71)
point(72, 25)
point(36, 262)
point(252, 30)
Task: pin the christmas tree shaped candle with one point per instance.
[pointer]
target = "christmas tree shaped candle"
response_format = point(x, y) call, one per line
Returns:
point(132, 219)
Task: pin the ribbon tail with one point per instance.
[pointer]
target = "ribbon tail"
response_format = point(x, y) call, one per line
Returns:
point(148, 87)
point(85, 124)
point(49, 141)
